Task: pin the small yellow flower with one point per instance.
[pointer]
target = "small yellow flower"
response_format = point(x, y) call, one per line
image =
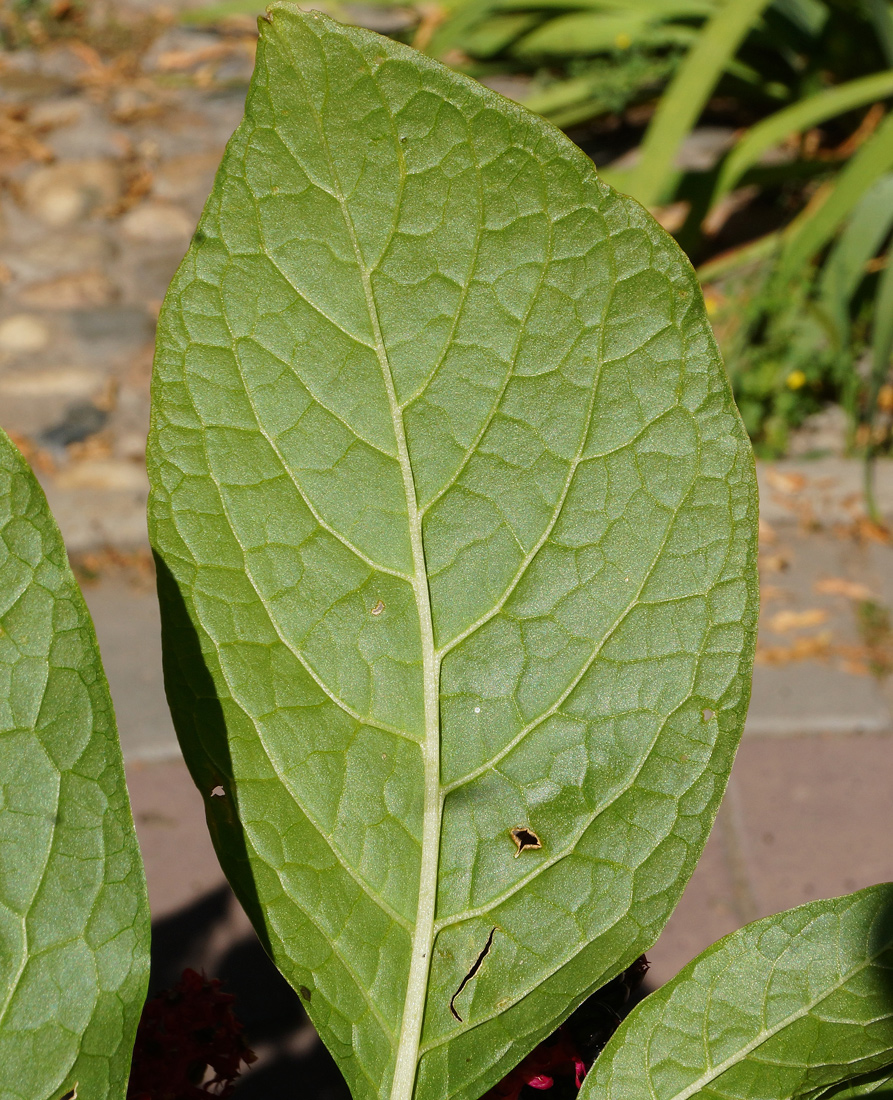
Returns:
point(796, 380)
point(623, 41)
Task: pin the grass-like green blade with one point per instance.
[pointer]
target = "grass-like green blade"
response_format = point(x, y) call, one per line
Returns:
point(498, 32)
point(657, 9)
point(812, 111)
point(584, 33)
point(882, 324)
point(814, 227)
point(456, 528)
point(684, 100)
point(881, 364)
point(845, 267)
point(786, 1007)
point(882, 17)
point(808, 16)
point(74, 920)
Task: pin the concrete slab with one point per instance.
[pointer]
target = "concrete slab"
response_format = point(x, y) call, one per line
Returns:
point(181, 865)
point(829, 490)
point(815, 816)
point(814, 663)
point(813, 698)
point(128, 627)
point(93, 518)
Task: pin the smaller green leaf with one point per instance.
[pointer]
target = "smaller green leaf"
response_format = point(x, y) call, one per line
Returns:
point(879, 1086)
point(787, 1007)
point(74, 919)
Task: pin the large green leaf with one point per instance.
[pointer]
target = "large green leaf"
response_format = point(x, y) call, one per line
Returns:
point(456, 525)
point(74, 920)
point(786, 1007)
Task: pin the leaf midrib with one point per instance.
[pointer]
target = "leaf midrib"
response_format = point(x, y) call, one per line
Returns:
point(407, 1053)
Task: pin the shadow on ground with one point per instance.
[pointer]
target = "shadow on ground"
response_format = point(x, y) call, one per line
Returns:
point(291, 1058)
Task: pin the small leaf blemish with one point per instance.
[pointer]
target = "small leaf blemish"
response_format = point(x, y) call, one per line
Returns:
point(379, 607)
point(524, 839)
point(305, 993)
point(707, 714)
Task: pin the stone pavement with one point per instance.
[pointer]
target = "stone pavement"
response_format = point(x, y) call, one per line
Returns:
point(106, 156)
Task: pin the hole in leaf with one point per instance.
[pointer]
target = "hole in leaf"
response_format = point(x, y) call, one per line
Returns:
point(524, 839)
point(707, 714)
point(71, 1094)
point(379, 607)
point(218, 792)
point(471, 973)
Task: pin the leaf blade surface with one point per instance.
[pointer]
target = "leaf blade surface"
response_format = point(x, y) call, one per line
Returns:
point(74, 924)
point(441, 442)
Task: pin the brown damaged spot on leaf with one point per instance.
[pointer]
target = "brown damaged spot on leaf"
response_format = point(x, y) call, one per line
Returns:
point(524, 839)
point(471, 973)
point(305, 994)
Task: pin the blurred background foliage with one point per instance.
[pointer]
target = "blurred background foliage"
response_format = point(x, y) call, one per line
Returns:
point(758, 132)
